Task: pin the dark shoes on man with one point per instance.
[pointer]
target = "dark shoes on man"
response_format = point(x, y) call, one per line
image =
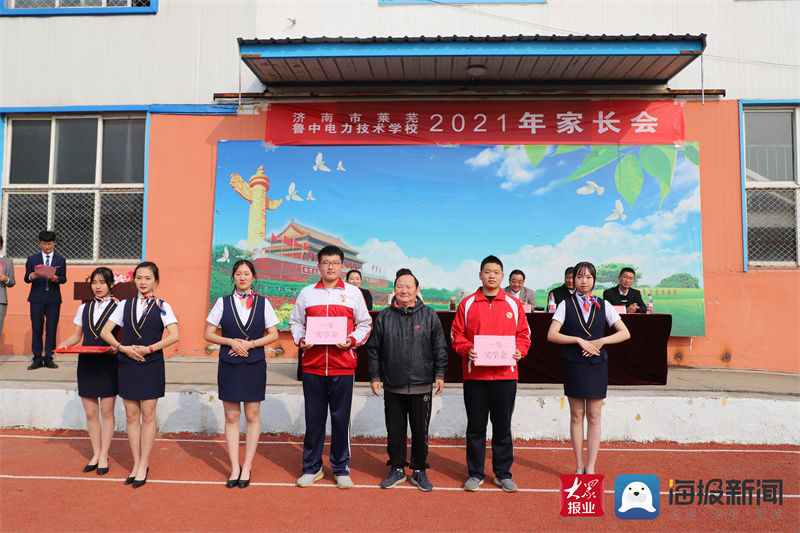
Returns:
point(398, 475)
point(49, 363)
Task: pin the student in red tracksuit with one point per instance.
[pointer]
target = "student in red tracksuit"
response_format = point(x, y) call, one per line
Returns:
point(490, 391)
point(329, 371)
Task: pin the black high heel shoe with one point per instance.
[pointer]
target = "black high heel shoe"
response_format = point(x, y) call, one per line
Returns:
point(102, 471)
point(233, 482)
point(129, 480)
point(243, 483)
point(139, 482)
point(89, 468)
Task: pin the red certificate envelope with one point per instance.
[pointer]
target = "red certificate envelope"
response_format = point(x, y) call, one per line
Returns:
point(326, 330)
point(495, 350)
point(620, 309)
point(82, 349)
point(45, 270)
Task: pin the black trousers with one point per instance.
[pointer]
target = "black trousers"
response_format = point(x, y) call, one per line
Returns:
point(323, 393)
point(402, 410)
point(44, 319)
point(493, 400)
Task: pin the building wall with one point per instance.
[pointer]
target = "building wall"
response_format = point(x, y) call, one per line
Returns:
point(188, 50)
point(752, 316)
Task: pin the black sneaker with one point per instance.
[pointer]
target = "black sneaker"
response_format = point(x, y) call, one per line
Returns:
point(419, 479)
point(396, 475)
point(49, 363)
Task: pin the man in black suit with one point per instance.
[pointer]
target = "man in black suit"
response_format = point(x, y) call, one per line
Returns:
point(623, 294)
point(45, 299)
point(566, 290)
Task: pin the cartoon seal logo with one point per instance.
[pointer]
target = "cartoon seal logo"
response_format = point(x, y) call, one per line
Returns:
point(637, 495)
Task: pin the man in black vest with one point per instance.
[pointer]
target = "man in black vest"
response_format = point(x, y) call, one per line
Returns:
point(623, 294)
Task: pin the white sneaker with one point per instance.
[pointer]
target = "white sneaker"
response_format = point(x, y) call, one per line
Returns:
point(343, 482)
point(306, 480)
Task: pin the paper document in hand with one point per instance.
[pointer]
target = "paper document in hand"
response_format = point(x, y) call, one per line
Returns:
point(495, 350)
point(326, 330)
point(45, 270)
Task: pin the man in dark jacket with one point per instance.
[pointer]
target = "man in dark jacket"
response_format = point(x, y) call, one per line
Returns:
point(624, 294)
point(407, 358)
point(563, 292)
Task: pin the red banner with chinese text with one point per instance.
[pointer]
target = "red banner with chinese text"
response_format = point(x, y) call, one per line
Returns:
point(634, 122)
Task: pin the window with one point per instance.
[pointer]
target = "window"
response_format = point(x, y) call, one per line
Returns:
point(772, 189)
point(77, 7)
point(83, 177)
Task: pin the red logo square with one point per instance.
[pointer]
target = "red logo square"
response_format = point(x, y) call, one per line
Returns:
point(581, 494)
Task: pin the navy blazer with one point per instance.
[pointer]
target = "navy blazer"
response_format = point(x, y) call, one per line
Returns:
point(38, 294)
point(633, 297)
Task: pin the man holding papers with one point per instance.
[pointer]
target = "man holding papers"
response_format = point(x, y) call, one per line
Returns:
point(487, 326)
point(329, 320)
point(46, 271)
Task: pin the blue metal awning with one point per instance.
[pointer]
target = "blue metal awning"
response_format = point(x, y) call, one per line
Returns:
point(475, 62)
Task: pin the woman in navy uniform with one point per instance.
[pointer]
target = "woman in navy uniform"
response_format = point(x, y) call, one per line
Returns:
point(97, 372)
point(579, 323)
point(141, 362)
point(248, 323)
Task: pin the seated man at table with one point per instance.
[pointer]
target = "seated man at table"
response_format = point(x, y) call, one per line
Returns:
point(516, 288)
point(566, 290)
point(624, 295)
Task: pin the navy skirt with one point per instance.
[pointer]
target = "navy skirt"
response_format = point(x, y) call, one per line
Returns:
point(97, 375)
point(139, 381)
point(582, 380)
point(243, 382)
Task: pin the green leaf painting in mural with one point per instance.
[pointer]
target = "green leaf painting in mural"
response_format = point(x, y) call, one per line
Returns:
point(659, 162)
point(600, 156)
point(629, 178)
point(692, 153)
point(567, 148)
point(535, 152)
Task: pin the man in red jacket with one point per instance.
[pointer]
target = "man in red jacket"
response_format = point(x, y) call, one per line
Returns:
point(490, 391)
point(329, 370)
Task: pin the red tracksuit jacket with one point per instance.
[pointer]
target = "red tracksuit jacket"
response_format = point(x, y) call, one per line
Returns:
point(476, 316)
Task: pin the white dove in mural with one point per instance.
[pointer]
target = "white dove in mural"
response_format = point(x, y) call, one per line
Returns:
point(319, 164)
point(309, 197)
point(617, 212)
point(591, 187)
point(340, 167)
point(226, 257)
point(293, 193)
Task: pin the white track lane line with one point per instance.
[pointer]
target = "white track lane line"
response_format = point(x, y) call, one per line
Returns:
point(460, 447)
point(316, 485)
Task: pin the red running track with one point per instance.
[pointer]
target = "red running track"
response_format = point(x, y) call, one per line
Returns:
point(42, 488)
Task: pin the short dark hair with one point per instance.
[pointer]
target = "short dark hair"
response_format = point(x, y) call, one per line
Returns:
point(627, 269)
point(586, 265)
point(347, 276)
point(47, 236)
point(1, 241)
point(105, 273)
point(405, 272)
point(516, 272)
point(491, 259)
point(330, 250)
point(569, 270)
point(241, 262)
point(147, 264)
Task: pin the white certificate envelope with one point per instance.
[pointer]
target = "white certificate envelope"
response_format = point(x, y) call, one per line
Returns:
point(326, 329)
point(527, 308)
point(495, 350)
point(620, 309)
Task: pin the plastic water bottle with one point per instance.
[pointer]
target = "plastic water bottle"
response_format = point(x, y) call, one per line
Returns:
point(551, 303)
point(649, 303)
